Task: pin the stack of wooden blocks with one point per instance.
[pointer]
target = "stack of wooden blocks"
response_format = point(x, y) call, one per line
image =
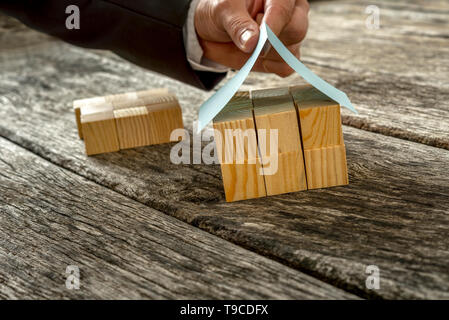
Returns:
point(129, 120)
point(310, 148)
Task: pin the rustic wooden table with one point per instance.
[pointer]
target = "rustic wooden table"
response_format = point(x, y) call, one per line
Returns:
point(138, 226)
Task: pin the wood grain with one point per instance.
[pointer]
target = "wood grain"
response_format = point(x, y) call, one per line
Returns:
point(236, 145)
point(122, 100)
point(394, 214)
point(163, 119)
point(237, 139)
point(99, 129)
point(148, 124)
point(326, 167)
point(133, 127)
point(274, 110)
point(319, 117)
point(243, 181)
point(128, 120)
point(100, 137)
point(322, 138)
point(52, 218)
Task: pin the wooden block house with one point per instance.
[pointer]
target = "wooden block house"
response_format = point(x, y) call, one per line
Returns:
point(305, 127)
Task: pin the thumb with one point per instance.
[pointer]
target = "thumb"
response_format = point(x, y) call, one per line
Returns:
point(242, 29)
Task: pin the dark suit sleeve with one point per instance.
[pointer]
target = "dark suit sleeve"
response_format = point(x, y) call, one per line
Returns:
point(148, 33)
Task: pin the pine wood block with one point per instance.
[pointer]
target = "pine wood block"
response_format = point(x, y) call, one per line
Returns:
point(164, 117)
point(326, 167)
point(148, 125)
point(235, 123)
point(99, 129)
point(243, 181)
point(78, 104)
point(77, 109)
point(123, 100)
point(236, 142)
point(145, 100)
point(322, 137)
point(274, 110)
point(132, 127)
point(290, 175)
point(319, 116)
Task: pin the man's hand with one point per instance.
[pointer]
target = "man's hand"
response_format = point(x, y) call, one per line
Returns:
point(228, 30)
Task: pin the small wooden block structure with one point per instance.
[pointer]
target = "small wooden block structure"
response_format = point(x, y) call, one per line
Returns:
point(131, 120)
point(310, 151)
point(122, 100)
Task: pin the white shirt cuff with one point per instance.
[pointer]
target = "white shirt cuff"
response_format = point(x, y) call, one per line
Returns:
point(194, 51)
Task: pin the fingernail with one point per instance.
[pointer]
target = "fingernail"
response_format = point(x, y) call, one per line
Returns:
point(245, 37)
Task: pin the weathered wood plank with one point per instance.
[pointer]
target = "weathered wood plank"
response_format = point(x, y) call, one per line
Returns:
point(51, 218)
point(394, 213)
point(397, 76)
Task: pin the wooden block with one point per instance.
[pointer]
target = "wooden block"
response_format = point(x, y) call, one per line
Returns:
point(149, 124)
point(99, 129)
point(78, 104)
point(274, 110)
point(144, 101)
point(238, 135)
point(164, 117)
point(322, 137)
point(132, 127)
point(290, 175)
point(326, 167)
point(124, 100)
point(240, 163)
point(240, 100)
point(320, 118)
point(243, 181)
point(77, 110)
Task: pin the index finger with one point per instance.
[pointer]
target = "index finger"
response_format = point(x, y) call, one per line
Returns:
point(278, 14)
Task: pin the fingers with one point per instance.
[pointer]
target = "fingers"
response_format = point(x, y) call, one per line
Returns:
point(226, 54)
point(227, 20)
point(273, 62)
point(218, 22)
point(290, 27)
point(274, 55)
point(259, 18)
point(229, 55)
point(280, 68)
point(238, 20)
point(295, 31)
point(238, 23)
point(278, 14)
